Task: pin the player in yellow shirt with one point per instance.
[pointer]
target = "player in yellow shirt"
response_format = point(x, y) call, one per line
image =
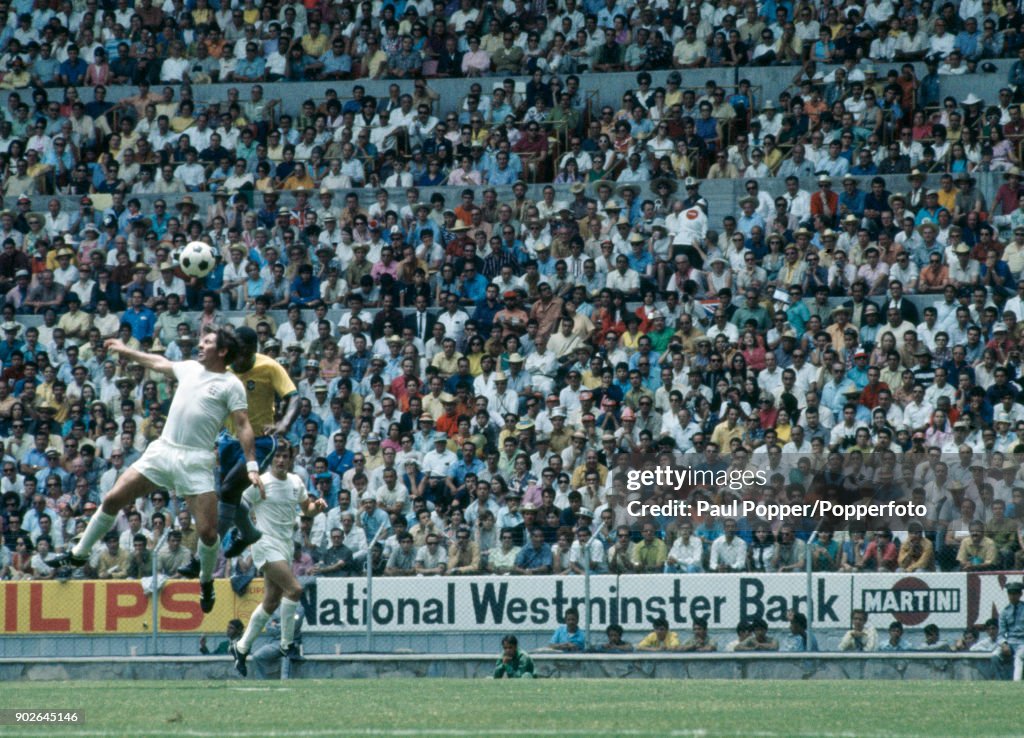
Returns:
point(265, 382)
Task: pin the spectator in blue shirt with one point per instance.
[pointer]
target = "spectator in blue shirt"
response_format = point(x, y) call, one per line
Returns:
point(340, 460)
point(140, 318)
point(534, 558)
point(35, 457)
point(968, 39)
point(569, 636)
point(896, 641)
point(360, 358)
point(44, 67)
point(325, 486)
point(750, 217)
point(799, 640)
point(72, 71)
point(468, 464)
point(996, 275)
point(10, 344)
point(865, 165)
point(501, 173)
point(706, 126)
point(851, 199)
point(474, 284)
point(928, 94)
point(355, 104)
point(305, 290)
point(640, 258)
point(500, 109)
point(251, 68)
point(486, 308)
point(606, 15)
point(422, 224)
point(372, 518)
point(335, 64)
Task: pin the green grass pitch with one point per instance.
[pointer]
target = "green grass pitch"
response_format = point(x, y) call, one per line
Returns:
point(606, 707)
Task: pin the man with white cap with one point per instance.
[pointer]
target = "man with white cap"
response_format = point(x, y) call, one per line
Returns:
point(519, 380)
point(1006, 440)
point(541, 364)
point(503, 400)
point(436, 465)
point(688, 225)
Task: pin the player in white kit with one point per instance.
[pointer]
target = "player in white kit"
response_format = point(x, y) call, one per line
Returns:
point(183, 458)
point(274, 508)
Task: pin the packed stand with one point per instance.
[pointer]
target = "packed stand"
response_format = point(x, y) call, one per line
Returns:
point(519, 123)
point(477, 371)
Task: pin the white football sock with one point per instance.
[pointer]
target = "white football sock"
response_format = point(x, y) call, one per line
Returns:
point(207, 559)
point(257, 622)
point(288, 608)
point(99, 524)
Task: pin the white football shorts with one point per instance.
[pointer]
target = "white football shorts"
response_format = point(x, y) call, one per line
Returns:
point(184, 470)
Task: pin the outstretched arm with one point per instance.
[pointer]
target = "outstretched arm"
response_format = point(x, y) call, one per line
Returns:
point(155, 362)
point(287, 418)
point(247, 440)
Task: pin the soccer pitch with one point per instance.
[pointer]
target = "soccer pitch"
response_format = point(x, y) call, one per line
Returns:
point(605, 707)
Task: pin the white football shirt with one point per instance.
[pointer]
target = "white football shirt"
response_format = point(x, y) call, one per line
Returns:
point(275, 515)
point(201, 404)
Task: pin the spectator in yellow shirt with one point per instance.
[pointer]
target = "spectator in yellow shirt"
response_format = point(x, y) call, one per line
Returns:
point(916, 553)
point(977, 552)
point(661, 639)
point(728, 429)
point(315, 43)
point(650, 553)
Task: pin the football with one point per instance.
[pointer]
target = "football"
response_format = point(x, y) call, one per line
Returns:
point(197, 259)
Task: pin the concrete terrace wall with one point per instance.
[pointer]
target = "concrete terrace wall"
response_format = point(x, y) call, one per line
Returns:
point(958, 667)
point(53, 647)
point(722, 194)
point(769, 82)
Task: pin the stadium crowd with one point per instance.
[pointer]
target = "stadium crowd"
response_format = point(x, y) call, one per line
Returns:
point(478, 370)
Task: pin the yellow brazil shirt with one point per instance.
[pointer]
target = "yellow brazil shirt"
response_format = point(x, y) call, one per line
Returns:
point(264, 383)
point(671, 642)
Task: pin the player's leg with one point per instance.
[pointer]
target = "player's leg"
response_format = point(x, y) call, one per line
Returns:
point(229, 451)
point(257, 622)
point(204, 509)
point(280, 574)
point(233, 510)
point(128, 487)
point(233, 482)
point(1018, 662)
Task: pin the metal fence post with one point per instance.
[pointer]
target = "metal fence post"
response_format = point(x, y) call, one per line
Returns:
point(586, 601)
point(369, 589)
point(156, 591)
point(810, 584)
